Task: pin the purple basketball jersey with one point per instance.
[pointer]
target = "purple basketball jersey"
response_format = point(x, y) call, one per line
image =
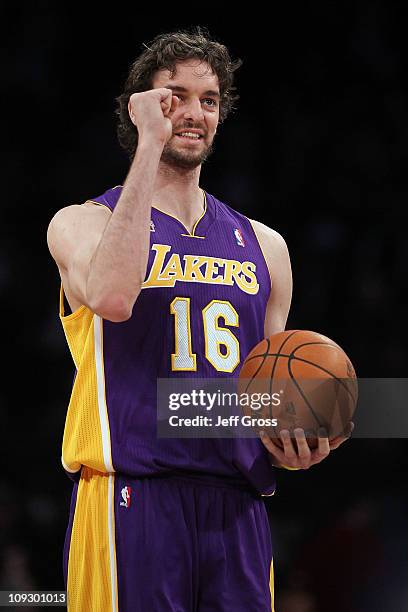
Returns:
point(214, 278)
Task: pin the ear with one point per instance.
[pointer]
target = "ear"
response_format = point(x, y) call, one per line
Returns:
point(130, 113)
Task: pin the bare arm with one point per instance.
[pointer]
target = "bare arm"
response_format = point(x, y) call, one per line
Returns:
point(293, 455)
point(277, 258)
point(103, 255)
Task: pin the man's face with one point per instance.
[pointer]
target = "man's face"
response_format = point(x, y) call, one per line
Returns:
point(197, 87)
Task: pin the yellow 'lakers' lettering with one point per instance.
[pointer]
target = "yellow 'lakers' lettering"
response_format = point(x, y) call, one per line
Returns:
point(248, 270)
point(212, 270)
point(173, 268)
point(232, 270)
point(200, 269)
point(192, 270)
point(154, 280)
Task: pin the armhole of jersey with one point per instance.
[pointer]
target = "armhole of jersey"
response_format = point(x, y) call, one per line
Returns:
point(61, 304)
point(261, 249)
point(99, 204)
point(74, 314)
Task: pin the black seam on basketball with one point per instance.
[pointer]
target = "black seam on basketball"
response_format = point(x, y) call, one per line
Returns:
point(327, 372)
point(262, 362)
point(320, 367)
point(270, 386)
point(305, 399)
point(295, 349)
point(279, 349)
point(274, 367)
point(293, 357)
point(265, 355)
point(313, 343)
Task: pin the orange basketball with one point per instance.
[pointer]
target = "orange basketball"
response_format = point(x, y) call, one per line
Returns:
point(307, 381)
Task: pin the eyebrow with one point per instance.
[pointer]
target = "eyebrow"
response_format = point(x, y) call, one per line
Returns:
point(209, 92)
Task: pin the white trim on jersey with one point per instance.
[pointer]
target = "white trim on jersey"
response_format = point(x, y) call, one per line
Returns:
point(112, 550)
point(66, 468)
point(100, 381)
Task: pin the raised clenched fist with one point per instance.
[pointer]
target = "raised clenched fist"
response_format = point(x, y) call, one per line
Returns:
point(151, 111)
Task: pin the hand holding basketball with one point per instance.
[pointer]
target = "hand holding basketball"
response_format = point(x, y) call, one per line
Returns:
point(298, 455)
point(318, 392)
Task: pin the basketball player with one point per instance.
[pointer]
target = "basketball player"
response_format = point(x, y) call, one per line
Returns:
point(165, 280)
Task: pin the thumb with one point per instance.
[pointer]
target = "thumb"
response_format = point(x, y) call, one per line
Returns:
point(175, 100)
point(169, 110)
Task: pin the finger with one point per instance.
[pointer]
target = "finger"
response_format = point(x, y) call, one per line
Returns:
point(338, 442)
point(345, 435)
point(303, 448)
point(348, 430)
point(169, 105)
point(166, 97)
point(165, 106)
point(323, 447)
point(335, 443)
point(275, 450)
point(165, 94)
point(174, 104)
point(288, 447)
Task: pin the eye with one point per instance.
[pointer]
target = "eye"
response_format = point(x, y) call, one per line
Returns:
point(210, 101)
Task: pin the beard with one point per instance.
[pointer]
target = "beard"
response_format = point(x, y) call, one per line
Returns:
point(187, 160)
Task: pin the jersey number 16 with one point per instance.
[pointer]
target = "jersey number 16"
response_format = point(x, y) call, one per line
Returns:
point(216, 337)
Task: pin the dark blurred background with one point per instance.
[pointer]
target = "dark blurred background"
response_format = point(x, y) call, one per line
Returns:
point(318, 150)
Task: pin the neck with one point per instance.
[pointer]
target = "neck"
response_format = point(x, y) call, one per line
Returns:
point(177, 192)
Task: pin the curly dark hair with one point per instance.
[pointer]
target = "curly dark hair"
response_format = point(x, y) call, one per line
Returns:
point(163, 53)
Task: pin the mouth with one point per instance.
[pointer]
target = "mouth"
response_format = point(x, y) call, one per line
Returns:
point(189, 136)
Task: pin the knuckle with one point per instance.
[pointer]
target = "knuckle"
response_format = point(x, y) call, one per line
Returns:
point(164, 91)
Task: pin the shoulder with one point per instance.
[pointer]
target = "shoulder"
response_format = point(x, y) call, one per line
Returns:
point(98, 207)
point(74, 211)
point(75, 215)
point(270, 240)
point(277, 259)
point(71, 223)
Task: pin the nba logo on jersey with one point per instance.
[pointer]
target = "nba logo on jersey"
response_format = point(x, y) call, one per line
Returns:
point(239, 237)
point(152, 227)
point(126, 491)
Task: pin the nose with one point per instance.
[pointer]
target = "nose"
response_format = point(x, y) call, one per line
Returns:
point(193, 110)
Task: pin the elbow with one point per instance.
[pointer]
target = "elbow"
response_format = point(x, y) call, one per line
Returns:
point(118, 317)
point(115, 308)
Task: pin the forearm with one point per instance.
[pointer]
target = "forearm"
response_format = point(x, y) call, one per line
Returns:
point(118, 267)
